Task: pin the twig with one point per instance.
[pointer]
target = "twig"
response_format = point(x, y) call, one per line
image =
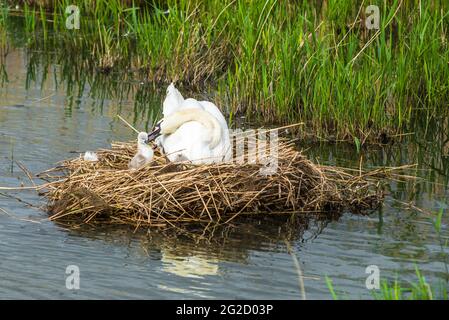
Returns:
point(18, 188)
point(15, 217)
point(127, 123)
point(375, 35)
point(298, 269)
point(19, 200)
point(26, 171)
point(269, 130)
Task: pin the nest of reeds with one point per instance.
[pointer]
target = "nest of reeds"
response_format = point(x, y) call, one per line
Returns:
point(168, 194)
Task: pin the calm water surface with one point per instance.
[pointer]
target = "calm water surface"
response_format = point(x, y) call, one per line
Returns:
point(49, 111)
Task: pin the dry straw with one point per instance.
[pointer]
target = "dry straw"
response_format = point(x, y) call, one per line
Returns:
point(167, 195)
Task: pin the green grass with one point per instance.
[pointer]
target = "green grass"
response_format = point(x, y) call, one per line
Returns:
point(418, 290)
point(272, 60)
point(394, 290)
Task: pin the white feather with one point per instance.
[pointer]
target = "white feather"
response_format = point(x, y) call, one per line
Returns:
point(90, 156)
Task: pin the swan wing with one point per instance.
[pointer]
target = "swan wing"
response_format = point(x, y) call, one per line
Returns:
point(173, 101)
point(208, 106)
point(191, 103)
point(135, 162)
point(224, 147)
point(213, 110)
point(138, 161)
point(184, 143)
point(187, 143)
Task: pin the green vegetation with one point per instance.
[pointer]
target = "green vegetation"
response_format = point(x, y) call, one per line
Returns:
point(271, 60)
point(420, 290)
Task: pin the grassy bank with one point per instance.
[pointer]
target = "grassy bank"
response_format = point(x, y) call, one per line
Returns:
point(271, 60)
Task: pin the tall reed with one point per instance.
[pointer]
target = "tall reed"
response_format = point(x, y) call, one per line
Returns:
point(277, 61)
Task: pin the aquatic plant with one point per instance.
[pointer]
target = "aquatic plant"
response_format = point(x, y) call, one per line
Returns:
point(276, 61)
point(419, 290)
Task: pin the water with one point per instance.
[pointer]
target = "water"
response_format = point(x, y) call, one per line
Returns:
point(49, 111)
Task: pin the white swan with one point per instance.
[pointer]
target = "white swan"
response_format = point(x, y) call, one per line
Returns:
point(192, 130)
point(144, 153)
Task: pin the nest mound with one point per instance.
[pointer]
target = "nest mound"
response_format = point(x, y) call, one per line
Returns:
point(166, 194)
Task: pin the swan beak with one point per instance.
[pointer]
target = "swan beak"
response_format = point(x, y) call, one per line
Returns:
point(155, 133)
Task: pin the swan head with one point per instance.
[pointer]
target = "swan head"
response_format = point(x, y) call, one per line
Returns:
point(157, 131)
point(142, 138)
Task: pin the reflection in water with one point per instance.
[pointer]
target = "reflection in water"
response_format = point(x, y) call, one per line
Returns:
point(209, 244)
point(59, 99)
point(205, 254)
point(72, 76)
point(189, 266)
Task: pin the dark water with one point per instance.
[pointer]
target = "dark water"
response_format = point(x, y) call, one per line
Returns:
point(49, 109)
